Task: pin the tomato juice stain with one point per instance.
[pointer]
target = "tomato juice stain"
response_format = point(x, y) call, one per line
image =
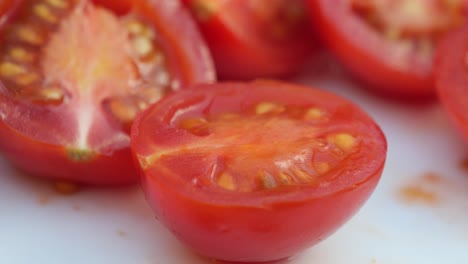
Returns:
point(422, 190)
point(43, 200)
point(418, 194)
point(66, 188)
point(122, 233)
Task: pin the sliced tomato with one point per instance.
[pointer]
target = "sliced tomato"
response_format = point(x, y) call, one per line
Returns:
point(73, 75)
point(258, 171)
point(452, 77)
point(388, 44)
point(254, 38)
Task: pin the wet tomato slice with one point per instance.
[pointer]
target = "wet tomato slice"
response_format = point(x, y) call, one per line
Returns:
point(452, 77)
point(256, 171)
point(388, 44)
point(73, 75)
point(254, 38)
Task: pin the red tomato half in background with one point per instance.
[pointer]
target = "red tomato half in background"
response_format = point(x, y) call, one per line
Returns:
point(254, 38)
point(452, 77)
point(73, 75)
point(258, 171)
point(388, 44)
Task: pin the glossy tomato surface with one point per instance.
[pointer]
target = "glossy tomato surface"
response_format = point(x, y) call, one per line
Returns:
point(73, 75)
point(257, 171)
point(452, 77)
point(389, 44)
point(254, 38)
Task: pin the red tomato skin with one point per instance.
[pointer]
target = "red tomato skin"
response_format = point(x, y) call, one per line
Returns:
point(238, 55)
point(251, 227)
point(363, 56)
point(452, 79)
point(188, 60)
point(255, 234)
point(51, 161)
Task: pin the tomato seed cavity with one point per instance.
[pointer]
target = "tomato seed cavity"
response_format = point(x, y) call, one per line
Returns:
point(414, 24)
point(314, 151)
point(83, 48)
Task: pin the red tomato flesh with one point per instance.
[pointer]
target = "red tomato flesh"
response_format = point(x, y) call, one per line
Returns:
point(388, 44)
point(254, 38)
point(452, 77)
point(258, 171)
point(73, 75)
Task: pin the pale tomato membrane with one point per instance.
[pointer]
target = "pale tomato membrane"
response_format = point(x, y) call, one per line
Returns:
point(267, 146)
point(95, 66)
point(413, 26)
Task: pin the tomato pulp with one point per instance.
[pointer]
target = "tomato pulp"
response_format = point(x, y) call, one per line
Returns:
point(452, 77)
point(255, 38)
point(73, 75)
point(388, 44)
point(257, 171)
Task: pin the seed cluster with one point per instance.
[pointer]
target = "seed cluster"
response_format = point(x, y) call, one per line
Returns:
point(413, 24)
point(312, 155)
point(19, 59)
point(27, 37)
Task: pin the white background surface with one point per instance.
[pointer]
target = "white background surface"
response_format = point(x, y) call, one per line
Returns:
point(102, 226)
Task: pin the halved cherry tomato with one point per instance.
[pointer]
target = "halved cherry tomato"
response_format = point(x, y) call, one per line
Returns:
point(73, 74)
point(452, 77)
point(258, 171)
point(389, 44)
point(254, 38)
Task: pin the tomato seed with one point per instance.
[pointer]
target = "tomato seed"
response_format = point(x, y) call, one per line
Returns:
point(9, 69)
point(321, 167)
point(314, 113)
point(203, 9)
point(30, 35)
point(143, 46)
point(124, 109)
point(285, 178)
point(302, 175)
point(267, 180)
point(43, 11)
point(196, 126)
point(344, 141)
point(226, 181)
point(52, 95)
point(137, 28)
point(27, 79)
point(268, 107)
point(21, 55)
point(58, 3)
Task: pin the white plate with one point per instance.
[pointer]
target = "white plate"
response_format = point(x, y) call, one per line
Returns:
point(116, 226)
